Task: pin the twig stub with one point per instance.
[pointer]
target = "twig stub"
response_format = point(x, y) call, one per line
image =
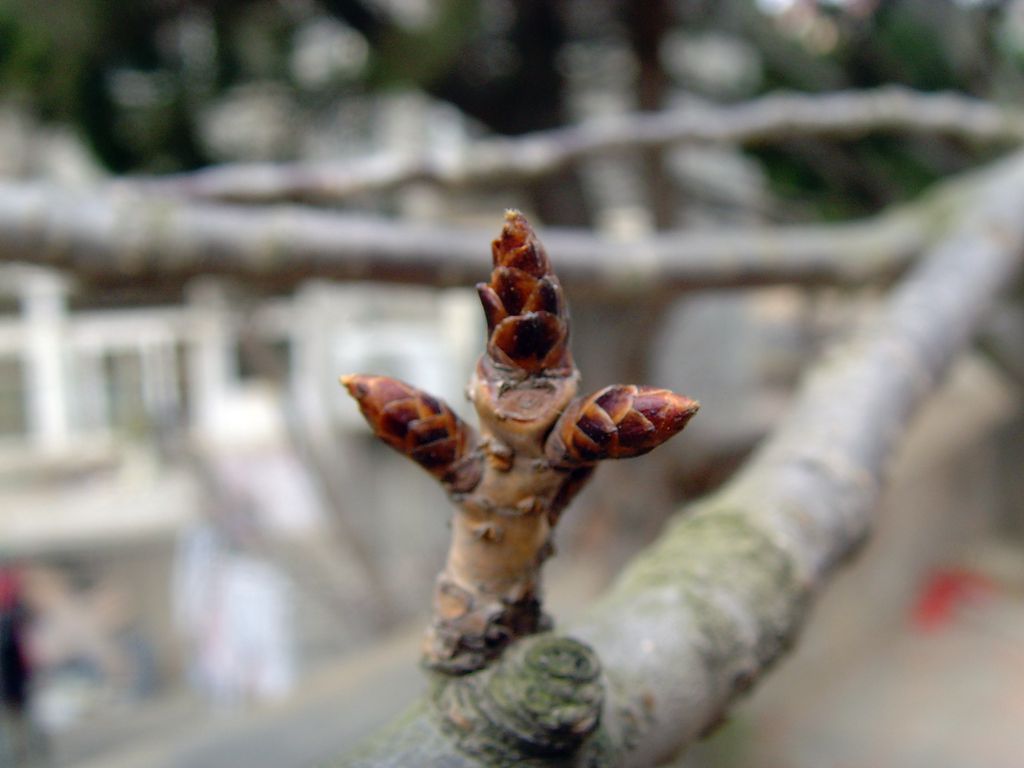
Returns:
point(537, 445)
point(543, 700)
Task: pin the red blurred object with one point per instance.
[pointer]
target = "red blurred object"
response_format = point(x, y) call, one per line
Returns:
point(14, 663)
point(945, 591)
point(10, 588)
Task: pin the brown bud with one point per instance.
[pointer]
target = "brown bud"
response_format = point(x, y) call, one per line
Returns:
point(518, 247)
point(417, 425)
point(527, 319)
point(617, 422)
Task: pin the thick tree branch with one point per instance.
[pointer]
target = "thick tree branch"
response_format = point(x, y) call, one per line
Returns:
point(770, 118)
point(115, 237)
point(696, 619)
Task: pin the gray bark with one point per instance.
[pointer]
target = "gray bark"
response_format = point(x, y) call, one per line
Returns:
point(769, 118)
point(116, 237)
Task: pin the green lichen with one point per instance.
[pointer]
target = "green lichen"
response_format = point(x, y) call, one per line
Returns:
point(540, 705)
point(723, 569)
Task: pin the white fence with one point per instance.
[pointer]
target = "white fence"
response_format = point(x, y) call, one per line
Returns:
point(74, 377)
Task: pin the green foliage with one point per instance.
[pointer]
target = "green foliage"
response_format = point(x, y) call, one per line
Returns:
point(127, 77)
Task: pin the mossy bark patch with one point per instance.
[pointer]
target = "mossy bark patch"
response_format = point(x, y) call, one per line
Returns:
point(540, 705)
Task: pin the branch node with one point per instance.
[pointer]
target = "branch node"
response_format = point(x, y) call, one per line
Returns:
point(544, 699)
point(537, 447)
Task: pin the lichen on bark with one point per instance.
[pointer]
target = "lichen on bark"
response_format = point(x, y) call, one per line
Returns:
point(539, 706)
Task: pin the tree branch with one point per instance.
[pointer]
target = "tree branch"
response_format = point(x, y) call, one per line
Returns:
point(115, 238)
point(537, 445)
point(843, 114)
point(698, 617)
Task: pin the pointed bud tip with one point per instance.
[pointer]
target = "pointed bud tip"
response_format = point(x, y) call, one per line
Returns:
point(355, 383)
point(675, 409)
point(516, 231)
point(685, 409)
point(684, 403)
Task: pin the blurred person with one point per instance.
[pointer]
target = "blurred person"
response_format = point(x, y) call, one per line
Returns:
point(19, 745)
point(233, 610)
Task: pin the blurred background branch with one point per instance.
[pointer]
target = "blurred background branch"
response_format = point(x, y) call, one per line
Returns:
point(768, 119)
point(118, 237)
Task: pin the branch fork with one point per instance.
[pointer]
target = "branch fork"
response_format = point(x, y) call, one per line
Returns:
point(537, 444)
